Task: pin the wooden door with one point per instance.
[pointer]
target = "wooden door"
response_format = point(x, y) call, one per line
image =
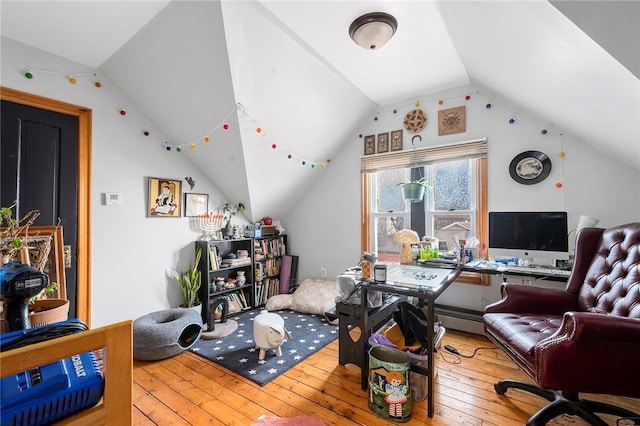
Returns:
point(45, 166)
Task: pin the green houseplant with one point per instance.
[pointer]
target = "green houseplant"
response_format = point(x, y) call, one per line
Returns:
point(190, 282)
point(11, 238)
point(413, 191)
point(229, 211)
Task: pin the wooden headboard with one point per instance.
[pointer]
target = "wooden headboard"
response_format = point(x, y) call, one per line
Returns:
point(115, 407)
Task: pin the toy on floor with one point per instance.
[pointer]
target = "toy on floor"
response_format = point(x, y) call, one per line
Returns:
point(269, 333)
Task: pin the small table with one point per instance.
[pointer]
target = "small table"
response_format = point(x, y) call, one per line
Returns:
point(424, 283)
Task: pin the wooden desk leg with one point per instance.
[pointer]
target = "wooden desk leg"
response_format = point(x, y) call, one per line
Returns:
point(430, 361)
point(364, 320)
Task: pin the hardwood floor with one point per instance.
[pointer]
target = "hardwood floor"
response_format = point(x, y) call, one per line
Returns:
point(189, 390)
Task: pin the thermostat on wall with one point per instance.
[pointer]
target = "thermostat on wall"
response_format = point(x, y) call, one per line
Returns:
point(112, 198)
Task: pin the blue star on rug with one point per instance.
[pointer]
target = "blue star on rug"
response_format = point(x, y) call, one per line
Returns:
point(237, 351)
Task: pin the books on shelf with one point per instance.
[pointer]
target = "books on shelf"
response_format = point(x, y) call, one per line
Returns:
point(265, 289)
point(213, 258)
point(270, 246)
point(237, 261)
point(237, 302)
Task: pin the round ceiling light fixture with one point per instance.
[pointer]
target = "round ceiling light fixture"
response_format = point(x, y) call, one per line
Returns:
point(373, 30)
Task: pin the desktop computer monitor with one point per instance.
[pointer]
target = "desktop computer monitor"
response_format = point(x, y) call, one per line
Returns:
point(529, 234)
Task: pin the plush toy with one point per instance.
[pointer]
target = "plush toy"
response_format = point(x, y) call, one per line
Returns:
point(269, 332)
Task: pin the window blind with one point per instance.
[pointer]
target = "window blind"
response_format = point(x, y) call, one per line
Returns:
point(423, 156)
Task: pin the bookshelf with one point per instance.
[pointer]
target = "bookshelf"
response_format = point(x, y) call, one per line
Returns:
point(268, 253)
point(220, 275)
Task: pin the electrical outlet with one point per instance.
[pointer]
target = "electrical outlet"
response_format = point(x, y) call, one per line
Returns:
point(323, 272)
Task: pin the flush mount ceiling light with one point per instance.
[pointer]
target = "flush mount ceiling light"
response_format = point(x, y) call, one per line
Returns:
point(373, 30)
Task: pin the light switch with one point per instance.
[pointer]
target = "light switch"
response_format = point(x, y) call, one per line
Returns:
point(112, 198)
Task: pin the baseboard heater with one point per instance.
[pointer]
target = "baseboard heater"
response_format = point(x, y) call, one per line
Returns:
point(460, 313)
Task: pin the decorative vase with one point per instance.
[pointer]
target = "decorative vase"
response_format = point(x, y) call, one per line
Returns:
point(241, 279)
point(227, 231)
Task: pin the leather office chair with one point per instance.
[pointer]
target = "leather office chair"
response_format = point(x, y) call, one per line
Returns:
point(585, 338)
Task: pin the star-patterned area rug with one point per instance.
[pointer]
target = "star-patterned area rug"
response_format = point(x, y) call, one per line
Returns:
point(238, 353)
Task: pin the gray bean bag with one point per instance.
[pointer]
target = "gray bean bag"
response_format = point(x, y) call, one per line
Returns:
point(164, 334)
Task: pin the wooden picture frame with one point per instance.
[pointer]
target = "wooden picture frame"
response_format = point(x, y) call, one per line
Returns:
point(55, 264)
point(165, 197)
point(396, 140)
point(195, 204)
point(369, 145)
point(383, 142)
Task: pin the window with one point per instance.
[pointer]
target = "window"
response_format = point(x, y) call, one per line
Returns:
point(455, 207)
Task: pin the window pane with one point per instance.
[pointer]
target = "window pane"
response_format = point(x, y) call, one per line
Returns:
point(388, 194)
point(386, 228)
point(450, 226)
point(452, 185)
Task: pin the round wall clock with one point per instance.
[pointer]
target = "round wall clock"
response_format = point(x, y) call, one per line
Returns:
point(530, 167)
point(415, 120)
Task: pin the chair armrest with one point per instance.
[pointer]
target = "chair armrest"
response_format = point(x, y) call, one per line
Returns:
point(592, 326)
point(518, 298)
point(591, 352)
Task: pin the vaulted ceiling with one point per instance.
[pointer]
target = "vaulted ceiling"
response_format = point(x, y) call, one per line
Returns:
point(290, 68)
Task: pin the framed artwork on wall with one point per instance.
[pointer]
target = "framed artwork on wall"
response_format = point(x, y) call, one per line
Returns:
point(396, 140)
point(164, 197)
point(452, 120)
point(195, 204)
point(369, 145)
point(383, 142)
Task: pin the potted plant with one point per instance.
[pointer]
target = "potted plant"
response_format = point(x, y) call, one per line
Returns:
point(414, 190)
point(11, 241)
point(190, 283)
point(44, 309)
point(228, 212)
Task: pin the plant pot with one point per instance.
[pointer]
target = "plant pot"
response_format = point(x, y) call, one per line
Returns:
point(413, 192)
point(48, 311)
point(196, 308)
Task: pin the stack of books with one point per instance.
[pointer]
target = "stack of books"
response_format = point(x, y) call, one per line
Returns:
point(237, 261)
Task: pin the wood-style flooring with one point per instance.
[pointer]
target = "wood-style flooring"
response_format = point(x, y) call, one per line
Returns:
point(189, 390)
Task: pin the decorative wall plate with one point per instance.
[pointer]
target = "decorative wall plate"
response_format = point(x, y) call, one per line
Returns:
point(415, 120)
point(530, 167)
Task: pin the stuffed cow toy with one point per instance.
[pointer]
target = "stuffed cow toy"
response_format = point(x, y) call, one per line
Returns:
point(269, 332)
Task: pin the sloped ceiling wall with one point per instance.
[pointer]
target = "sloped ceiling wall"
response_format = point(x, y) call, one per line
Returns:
point(191, 66)
point(548, 65)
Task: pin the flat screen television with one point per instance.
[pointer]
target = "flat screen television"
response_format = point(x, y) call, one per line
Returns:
point(529, 231)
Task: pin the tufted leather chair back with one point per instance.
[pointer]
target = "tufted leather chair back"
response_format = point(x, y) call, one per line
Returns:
point(608, 283)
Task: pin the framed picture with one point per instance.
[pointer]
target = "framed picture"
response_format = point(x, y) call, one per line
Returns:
point(383, 142)
point(369, 145)
point(195, 204)
point(164, 197)
point(452, 120)
point(396, 140)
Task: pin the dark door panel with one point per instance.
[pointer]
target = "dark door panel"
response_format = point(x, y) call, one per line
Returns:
point(39, 170)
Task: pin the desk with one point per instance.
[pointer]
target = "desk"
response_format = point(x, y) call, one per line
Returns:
point(433, 287)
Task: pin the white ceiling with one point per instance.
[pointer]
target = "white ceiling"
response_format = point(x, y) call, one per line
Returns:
point(279, 52)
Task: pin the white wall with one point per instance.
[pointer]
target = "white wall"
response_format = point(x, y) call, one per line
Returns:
point(325, 226)
point(131, 254)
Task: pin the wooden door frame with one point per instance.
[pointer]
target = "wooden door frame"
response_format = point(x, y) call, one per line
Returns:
point(83, 249)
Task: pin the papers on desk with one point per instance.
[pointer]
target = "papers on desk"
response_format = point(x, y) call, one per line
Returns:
point(415, 276)
point(483, 264)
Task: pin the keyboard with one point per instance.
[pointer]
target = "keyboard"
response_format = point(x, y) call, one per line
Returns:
point(538, 271)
